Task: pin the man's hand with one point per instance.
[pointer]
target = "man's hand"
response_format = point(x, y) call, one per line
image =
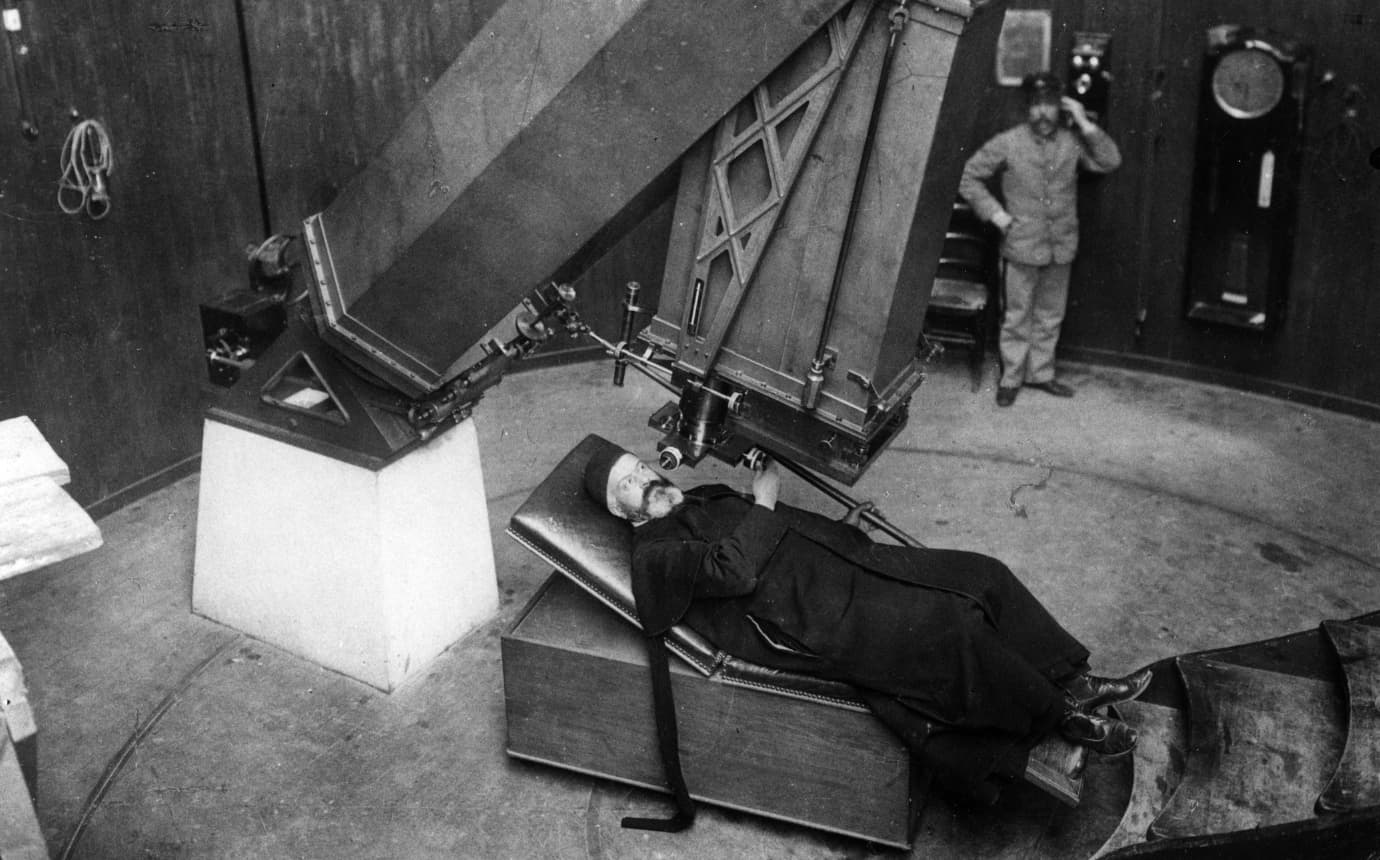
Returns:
point(1001, 220)
point(854, 515)
point(1074, 108)
point(766, 483)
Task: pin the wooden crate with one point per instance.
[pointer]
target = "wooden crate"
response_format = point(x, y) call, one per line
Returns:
point(578, 696)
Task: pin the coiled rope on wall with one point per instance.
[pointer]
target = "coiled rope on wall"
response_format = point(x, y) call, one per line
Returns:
point(87, 160)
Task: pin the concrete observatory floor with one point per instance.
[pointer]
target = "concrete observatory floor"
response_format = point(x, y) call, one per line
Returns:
point(1153, 516)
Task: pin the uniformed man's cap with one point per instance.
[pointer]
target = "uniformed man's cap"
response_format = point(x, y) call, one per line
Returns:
point(1042, 86)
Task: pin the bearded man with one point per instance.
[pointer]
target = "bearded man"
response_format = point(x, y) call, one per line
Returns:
point(947, 647)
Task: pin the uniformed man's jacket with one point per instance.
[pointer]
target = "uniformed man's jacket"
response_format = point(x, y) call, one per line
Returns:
point(1039, 184)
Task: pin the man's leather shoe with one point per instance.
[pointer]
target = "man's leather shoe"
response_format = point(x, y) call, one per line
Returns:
point(1006, 396)
point(1091, 692)
point(1105, 735)
point(1054, 386)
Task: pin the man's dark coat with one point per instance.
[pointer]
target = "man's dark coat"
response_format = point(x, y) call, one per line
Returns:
point(947, 647)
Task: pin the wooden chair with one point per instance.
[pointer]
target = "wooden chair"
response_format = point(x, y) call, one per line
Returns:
point(965, 297)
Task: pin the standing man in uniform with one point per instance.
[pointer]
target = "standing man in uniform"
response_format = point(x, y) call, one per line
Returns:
point(1037, 162)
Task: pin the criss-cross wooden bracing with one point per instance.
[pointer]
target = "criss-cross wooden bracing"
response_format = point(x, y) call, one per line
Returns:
point(809, 224)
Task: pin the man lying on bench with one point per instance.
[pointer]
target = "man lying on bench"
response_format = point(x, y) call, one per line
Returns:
point(947, 647)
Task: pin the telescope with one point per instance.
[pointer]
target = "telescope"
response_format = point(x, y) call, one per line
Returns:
point(811, 153)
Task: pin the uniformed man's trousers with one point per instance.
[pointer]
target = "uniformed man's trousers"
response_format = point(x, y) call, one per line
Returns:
point(1035, 300)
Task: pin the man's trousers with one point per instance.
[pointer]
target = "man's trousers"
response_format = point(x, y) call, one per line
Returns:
point(1035, 300)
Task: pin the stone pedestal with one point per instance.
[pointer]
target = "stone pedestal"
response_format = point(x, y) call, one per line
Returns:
point(372, 573)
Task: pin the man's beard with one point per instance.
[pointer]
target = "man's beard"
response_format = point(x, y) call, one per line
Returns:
point(1042, 126)
point(659, 498)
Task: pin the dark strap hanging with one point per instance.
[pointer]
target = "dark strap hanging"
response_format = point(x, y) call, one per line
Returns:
point(664, 707)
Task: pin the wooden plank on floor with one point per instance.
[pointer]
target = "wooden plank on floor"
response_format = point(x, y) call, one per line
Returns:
point(39, 525)
point(24, 453)
point(1356, 783)
point(1261, 747)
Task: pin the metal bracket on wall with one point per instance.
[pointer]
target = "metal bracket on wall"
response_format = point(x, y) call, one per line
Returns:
point(13, 28)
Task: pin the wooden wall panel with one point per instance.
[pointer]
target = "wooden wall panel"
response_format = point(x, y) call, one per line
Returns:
point(1163, 205)
point(1135, 222)
point(333, 79)
point(100, 339)
point(1116, 258)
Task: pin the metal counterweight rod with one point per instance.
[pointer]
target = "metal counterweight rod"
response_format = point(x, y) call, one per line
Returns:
point(620, 352)
point(656, 377)
point(876, 519)
point(898, 20)
point(657, 374)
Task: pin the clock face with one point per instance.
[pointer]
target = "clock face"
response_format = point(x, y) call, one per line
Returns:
point(1248, 83)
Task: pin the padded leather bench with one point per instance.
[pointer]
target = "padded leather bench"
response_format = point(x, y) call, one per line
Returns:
point(577, 693)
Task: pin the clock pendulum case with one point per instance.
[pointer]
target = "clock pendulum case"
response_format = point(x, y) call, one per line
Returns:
point(1246, 171)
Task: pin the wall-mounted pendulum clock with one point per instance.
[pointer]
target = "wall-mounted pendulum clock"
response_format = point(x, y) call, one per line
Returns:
point(1250, 135)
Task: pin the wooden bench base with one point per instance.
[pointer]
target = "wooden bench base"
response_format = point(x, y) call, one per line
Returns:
point(578, 696)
